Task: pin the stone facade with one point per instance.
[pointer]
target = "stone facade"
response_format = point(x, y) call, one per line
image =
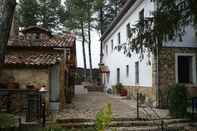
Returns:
point(26, 76)
point(167, 70)
point(147, 92)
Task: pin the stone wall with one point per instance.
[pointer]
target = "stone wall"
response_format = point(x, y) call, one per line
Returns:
point(36, 77)
point(148, 92)
point(167, 70)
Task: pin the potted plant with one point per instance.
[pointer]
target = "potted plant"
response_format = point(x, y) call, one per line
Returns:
point(123, 92)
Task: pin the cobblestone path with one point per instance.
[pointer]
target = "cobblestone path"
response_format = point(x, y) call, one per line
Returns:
point(87, 105)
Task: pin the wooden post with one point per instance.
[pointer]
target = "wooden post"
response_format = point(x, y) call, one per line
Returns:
point(43, 114)
point(137, 105)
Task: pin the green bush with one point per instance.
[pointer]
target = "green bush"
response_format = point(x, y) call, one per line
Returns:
point(177, 100)
point(104, 118)
point(7, 120)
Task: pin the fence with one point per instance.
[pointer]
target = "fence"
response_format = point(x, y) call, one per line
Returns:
point(26, 103)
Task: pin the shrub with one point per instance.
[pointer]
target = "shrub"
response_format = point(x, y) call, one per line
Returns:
point(7, 120)
point(104, 118)
point(177, 100)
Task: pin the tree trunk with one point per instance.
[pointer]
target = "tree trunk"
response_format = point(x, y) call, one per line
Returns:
point(83, 49)
point(101, 28)
point(89, 42)
point(7, 8)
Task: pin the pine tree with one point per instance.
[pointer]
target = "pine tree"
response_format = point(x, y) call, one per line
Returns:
point(47, 13)
point(29, 12)
point(76, 19)
point(51, 13)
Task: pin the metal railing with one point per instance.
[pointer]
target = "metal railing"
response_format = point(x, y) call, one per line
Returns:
point(148, 112)
point(25, 103)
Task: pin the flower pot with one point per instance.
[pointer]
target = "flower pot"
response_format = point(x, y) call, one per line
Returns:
point(123, 92)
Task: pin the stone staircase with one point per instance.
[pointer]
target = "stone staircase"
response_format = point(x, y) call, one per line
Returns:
point(93, 87)
point(130, 124)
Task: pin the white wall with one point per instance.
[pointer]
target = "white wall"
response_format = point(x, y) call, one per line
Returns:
point(116, 59)
point(188, 40)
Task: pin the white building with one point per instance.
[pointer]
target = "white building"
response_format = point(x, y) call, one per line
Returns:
point(176, 61)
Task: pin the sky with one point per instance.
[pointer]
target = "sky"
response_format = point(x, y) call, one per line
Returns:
point(95, 51)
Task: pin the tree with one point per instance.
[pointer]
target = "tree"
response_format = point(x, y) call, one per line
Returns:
point(90, 11)
point(28, 12)
point(82, 13)
point(167, 23)
point(7, 8)
point(47, 13)
point(76, 19)
point(51, 13)
point(110, 10)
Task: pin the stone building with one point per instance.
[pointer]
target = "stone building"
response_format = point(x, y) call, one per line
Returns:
point(35, 58)
point(174, 63)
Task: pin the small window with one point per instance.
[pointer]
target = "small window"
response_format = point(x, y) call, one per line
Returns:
point(127, 70)
point(37, 36)
point(128, 30)
point(108, 77)
point(141, 15)
point(185, 72)
point(141, 18)
point(137, 72)
point(119, 38)
point(118, 75)
point(106, 48)
point(112, 45)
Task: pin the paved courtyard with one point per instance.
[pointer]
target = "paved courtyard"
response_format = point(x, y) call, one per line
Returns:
point(87, 105)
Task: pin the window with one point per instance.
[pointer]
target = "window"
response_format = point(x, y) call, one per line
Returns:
point(37, 36)
point(141, 15)
point(137, 72)
point(106, 49)
point(112, 45)
point(128, 30)
point(108, 76)
point(185, 69)
point(118, 75)
point(141, 18)
point(127, 70)
point(119, 39)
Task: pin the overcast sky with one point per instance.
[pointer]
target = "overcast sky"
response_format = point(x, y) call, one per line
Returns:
point(95, 51)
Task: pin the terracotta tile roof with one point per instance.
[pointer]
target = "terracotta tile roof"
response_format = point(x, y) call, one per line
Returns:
point(33, 58)
point(68, 41)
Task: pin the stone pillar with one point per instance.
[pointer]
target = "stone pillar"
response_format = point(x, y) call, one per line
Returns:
point(54, 88)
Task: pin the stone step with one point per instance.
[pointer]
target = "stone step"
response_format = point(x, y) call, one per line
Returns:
point(76, 120)
point(171, 127)
point(124, 123)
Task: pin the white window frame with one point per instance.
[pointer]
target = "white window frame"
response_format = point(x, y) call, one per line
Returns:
point(193, 55)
